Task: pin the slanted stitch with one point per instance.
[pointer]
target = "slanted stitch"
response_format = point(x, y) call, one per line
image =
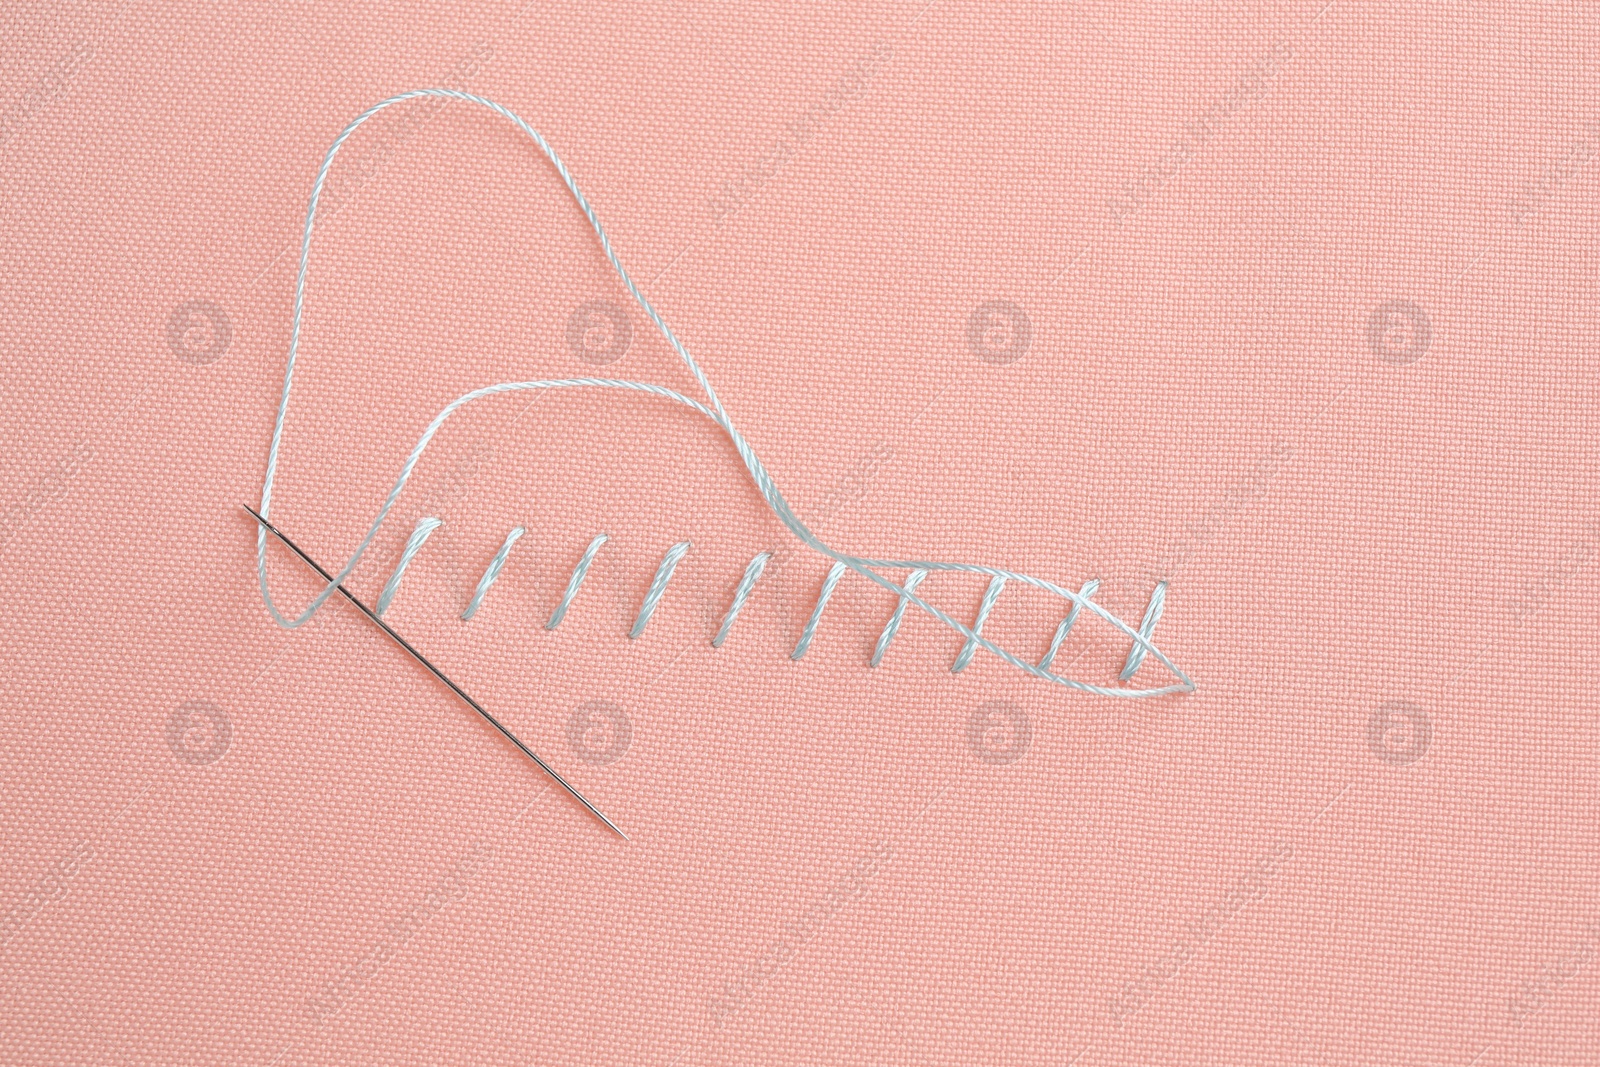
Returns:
point(1152, 614)
point(1086, 591)
point(892, 627)
point(419, 537)
point(712, 410)
point(835, 572)
point(751, 573)
point(658, 585)
point(492, 572)
point(990, 595)
point(576, 580)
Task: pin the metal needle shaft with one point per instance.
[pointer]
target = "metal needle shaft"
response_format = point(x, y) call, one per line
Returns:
point(436, 672)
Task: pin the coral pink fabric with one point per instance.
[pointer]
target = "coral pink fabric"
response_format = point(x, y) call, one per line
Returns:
point(1310, 331)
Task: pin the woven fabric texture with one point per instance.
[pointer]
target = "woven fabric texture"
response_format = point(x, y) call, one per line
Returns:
point(1290, 305)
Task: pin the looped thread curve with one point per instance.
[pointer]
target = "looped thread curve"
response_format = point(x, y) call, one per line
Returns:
point(713, 410)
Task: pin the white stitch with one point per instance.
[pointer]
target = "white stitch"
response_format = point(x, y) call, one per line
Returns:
point(715, 411)
point(990, 595)
point(492, 572)
point(1086, 591)
point(574, 582)
point(658, 585)
point(419, 537)
point(834, 574)
point(1152, 613)
point(892, 627)
point(751, 573)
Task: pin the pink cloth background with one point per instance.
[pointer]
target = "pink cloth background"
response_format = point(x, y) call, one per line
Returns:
point(1199, 207)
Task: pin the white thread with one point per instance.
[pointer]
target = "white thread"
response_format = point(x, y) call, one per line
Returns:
point(716, 412)
point(575, 581)
point(419, 537)
point(751, 572)
point(1152, 613)
point(658, 585)
point(835, 572)
point(492, 572)
point(990, 595)
point(1087, 591)
point(892, 627)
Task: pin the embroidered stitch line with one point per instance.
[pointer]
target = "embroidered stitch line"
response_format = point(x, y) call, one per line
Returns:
point(658, 585)
point(712, 410)
point(751, 572)
point(419, 537)
point(892, 627)
point(990, 595)
point(578, 574)
point(835, 572)
point(1086, 591)
point(492, 572)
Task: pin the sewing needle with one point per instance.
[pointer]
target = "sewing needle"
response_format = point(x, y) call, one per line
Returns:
point(437, 673)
